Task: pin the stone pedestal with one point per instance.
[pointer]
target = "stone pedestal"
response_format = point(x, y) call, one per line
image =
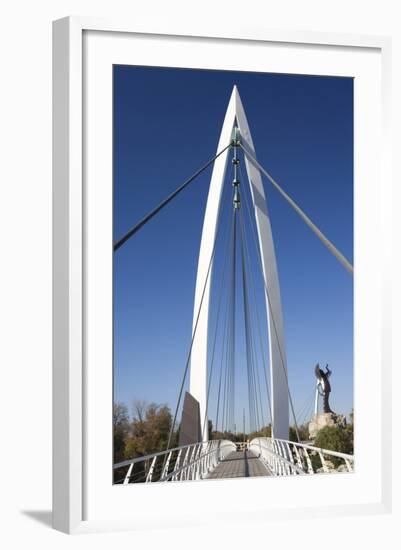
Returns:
point(322, 420)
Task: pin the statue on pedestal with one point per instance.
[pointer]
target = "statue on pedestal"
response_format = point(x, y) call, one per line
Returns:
point(323, 386)
point(327, 417)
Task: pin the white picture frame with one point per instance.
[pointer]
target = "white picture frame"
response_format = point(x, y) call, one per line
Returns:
point(72, 426)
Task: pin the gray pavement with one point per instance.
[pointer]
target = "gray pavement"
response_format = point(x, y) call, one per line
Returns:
point(239, 464)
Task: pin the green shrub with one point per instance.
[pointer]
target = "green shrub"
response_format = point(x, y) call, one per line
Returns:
point(337, 439)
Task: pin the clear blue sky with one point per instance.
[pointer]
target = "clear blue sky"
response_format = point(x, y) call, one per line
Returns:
point(167, 123)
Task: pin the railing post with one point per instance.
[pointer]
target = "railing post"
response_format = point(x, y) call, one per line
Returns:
point(166, 465)
point(308, 461)
point(185, 461)
point(198, 462)
point(209, 457)
point(282, 453)
point(348, 465)
point(298, 457)
point(190, 464)
point(200, 458)
point(290, 457)
point(285, 457)
point(205, 461)
point(150, 472)
point(195, 462)
point(177, 464)
point(215, 460)
point(322, 460)
point(128, 475)
point(278, 462)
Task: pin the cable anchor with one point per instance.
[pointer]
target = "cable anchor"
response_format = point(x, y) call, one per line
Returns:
point(236, 182)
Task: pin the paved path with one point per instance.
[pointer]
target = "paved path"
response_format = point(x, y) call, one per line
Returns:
point(239, 464)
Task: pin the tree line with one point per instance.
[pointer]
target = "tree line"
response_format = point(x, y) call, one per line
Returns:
point(147, 431)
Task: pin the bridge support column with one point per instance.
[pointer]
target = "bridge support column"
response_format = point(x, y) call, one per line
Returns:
point(235, 115)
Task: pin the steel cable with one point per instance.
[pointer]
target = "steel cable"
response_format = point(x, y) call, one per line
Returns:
point(164, 203)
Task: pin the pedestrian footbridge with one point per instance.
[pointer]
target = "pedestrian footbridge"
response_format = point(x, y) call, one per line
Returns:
point(237, 224)
point(220, 459)
point(239, 464)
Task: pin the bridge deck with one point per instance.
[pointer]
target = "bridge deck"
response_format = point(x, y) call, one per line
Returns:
point(239, 464)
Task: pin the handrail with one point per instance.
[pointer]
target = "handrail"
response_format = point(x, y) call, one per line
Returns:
point(148, 457)
point(286, 457)
point(321, 450)
point(190, 462)
point(202, 456)
point(197, 460)
point(282, 459)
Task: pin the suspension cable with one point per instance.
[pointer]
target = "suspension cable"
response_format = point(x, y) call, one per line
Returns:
point(251, 399)
point(216, 329)
point(276, 333)
point(307, 412)
point(227, 394)
point(253, 360)
point(306, 405)
point(327, 243)
point(251, 389)
point(258, 323)
point(194, 332)
point(157, 209)
point(225, 338)
point(233, 339)
point(253, 345)
point(252, 372)
point(227, 335)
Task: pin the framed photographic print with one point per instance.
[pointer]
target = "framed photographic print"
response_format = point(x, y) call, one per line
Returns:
point(219, 249)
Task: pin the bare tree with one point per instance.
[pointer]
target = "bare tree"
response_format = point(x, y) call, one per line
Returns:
point(121, 428)
point(120, 415)
point(139, 409)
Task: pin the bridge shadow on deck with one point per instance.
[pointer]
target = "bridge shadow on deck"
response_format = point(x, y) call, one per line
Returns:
point(239, 464)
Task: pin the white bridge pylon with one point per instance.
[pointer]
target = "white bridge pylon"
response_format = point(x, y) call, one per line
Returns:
point(235, 116)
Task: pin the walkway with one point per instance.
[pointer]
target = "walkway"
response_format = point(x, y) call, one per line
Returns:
point(239, 464)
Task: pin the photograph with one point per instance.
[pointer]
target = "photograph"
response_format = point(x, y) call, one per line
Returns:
point(201, 275)
point(233, 291)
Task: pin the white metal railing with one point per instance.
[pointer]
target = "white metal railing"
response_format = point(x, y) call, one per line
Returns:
point(184, 463)
point(283, 457)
